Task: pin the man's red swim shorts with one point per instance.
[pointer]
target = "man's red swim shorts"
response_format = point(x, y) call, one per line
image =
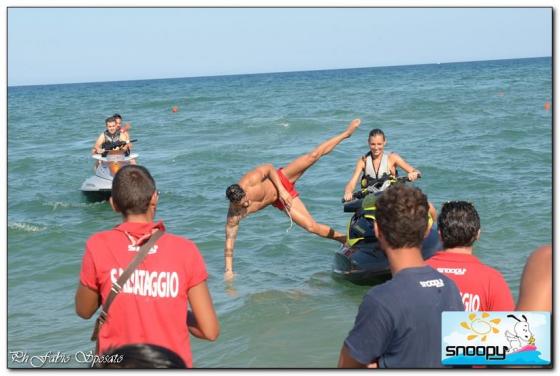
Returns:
point(290, 187)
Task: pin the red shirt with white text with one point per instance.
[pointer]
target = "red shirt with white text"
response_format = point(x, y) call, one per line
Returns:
point(482, 287)
point(152, 306)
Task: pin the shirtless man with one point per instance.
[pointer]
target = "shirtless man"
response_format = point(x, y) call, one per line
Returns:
point(112, 134)
point(124, 130)
point(535, 289)
point(265, 186)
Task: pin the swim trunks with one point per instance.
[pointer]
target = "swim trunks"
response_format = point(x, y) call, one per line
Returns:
point(290, 187)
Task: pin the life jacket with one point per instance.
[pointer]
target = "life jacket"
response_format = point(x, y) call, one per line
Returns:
point(112, 138)
point(369, 175)
point(360, 226)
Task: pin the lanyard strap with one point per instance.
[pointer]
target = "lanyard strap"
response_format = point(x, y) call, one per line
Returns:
point(117, 286)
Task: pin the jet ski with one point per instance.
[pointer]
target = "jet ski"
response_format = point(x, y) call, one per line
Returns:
point(98, 187)
point(361, 260)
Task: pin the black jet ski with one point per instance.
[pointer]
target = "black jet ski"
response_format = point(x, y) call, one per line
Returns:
point(98, 187)
point(361, 260)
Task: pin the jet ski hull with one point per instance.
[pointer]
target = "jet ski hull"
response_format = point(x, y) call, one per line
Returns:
point(366, 264)
point(93, 196)
point(96, 188)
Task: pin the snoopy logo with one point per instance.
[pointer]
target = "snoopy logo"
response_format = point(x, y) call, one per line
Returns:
point(522, 335)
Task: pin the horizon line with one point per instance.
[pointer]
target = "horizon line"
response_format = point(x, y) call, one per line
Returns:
point(278, 72)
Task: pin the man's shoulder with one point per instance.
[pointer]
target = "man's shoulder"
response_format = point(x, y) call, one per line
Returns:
point(421, 278)
point(481, 268)
point(181, 246)
point(179, 240)
point(419, 287)
point(384, 292)
point(379, 297)
point(490, 271)
point(102, 236)
point(235, 215)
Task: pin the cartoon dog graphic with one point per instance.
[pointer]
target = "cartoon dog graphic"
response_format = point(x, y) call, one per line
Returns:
point(522, 337)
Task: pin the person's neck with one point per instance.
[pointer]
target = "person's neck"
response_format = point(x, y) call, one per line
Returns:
point(461, 250)
point(141, 218)
point(403, 258)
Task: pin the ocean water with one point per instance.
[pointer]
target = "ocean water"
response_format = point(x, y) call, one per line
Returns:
point(478, 131)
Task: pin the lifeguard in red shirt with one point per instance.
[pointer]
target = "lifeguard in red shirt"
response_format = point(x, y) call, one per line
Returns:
point(482, 288)
point(152, 307)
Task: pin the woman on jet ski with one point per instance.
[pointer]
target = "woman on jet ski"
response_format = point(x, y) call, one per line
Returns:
point(376, 163)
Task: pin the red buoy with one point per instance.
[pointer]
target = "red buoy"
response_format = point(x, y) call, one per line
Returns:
point(174, 109)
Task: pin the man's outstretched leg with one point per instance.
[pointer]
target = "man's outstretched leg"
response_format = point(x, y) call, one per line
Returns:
point(294, 170)
point(303, 218)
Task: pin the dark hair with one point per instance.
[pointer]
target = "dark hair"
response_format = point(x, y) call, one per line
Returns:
point(376, 132)
point(132, 190)
point(458, 224)
point(140, 356)
point(117, 116)
point(402, 216)
point(235, 193)
point(109, 119)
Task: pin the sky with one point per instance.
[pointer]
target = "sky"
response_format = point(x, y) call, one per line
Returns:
point(66, 45)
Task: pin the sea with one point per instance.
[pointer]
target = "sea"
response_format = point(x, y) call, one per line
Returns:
point(478, 131)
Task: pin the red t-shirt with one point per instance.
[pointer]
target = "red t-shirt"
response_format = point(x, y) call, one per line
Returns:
point(152, 306)
point(482, 287)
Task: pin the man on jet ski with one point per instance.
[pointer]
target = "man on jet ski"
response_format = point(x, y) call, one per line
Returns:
point(111, 138)
point(125, 131)
point(266, 186)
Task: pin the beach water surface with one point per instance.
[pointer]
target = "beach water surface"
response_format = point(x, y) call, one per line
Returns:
point(478, 131)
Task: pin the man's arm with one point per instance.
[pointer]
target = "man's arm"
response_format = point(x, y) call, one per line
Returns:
point(97, 146)
point(345, 360)
point(232, 226)
point(125, 136)
point(202, 320)
point(87, 301)
point(535, 289)
point(268, 171)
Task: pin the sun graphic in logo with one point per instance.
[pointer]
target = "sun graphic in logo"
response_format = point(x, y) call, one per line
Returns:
point(481, 327)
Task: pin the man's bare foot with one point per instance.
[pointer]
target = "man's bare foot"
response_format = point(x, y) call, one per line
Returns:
point(354, 124)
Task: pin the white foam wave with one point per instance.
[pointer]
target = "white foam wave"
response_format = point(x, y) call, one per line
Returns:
point(285, 125)
point(59, 204)
point(26, 227)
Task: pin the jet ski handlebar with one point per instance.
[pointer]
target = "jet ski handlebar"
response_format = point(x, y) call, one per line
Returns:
point(378, 186)
point(112, 145)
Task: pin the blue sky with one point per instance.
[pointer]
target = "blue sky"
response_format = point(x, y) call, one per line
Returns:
point(63, 45)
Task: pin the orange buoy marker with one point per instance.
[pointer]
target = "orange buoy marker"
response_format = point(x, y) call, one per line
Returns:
point(547, 106)
point(174, 109)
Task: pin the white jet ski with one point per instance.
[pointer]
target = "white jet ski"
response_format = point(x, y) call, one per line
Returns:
point(98, 186)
